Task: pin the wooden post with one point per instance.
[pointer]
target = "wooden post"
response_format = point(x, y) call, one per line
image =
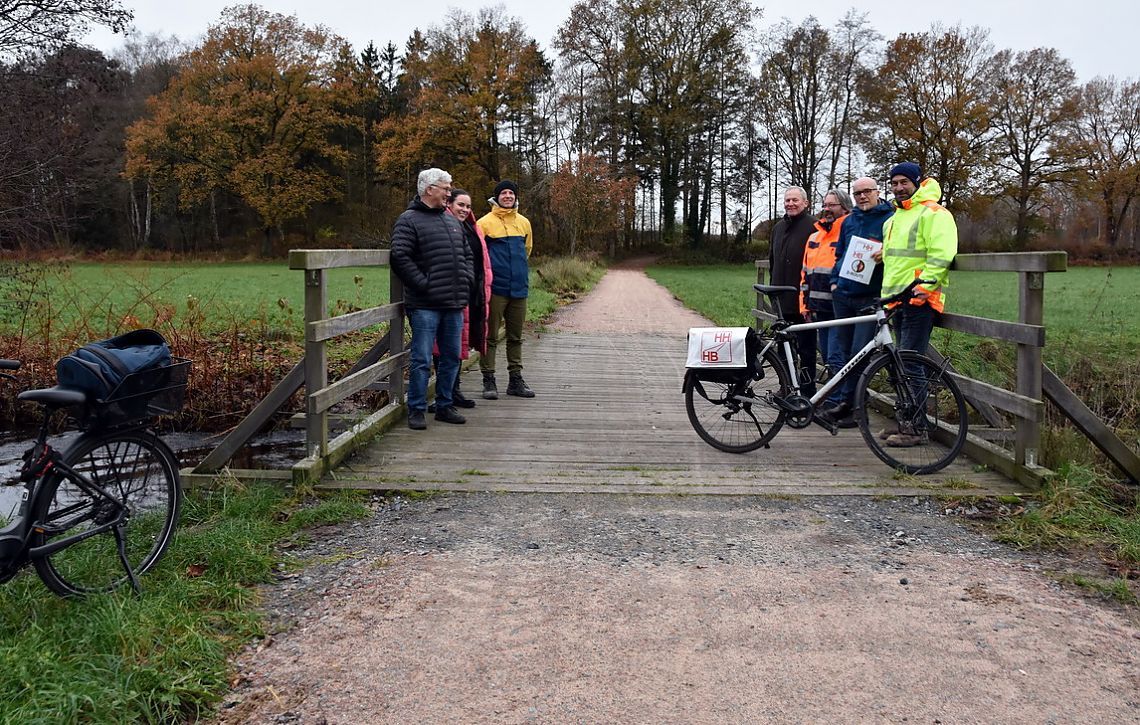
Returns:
point(1027, 443)
point(396, 340)
point(316, 365)
point(761, 278)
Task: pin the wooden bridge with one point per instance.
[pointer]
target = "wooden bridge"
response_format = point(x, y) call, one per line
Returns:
point(610, 416)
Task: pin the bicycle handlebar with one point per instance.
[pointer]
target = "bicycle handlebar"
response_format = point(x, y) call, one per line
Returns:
point(902, 296)
point(9, 364)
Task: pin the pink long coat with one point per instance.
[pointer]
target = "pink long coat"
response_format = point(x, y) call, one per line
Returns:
point(465, 344)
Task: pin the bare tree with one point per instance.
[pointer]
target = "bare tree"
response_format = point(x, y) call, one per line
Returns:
point(929, 100)
point(27, 25)
point(1106, 136)
point(1034, 98)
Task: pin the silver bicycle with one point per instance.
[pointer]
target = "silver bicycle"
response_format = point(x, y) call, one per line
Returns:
point(899, 391)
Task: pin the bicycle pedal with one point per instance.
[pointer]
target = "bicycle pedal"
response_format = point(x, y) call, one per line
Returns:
point(826, 425)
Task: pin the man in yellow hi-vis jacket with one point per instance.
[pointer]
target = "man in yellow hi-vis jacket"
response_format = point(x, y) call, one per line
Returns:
point(920, 240)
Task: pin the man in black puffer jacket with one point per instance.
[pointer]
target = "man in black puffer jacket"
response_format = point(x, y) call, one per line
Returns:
point(786, 260)
point(431, 257)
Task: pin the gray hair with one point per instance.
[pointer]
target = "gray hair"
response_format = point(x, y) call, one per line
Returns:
point(843, 197)
point(802, 192)
point(430, 177)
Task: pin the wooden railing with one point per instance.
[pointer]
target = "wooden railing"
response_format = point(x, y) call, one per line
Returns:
point(1026, 402)
point(382, 366)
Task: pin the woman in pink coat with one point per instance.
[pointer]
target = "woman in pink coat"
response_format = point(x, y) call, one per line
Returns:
point(475, 314)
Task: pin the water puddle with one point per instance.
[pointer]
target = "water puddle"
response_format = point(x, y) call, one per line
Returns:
point(274, 450)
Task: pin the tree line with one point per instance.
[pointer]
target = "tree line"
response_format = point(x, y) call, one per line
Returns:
point(647, 122)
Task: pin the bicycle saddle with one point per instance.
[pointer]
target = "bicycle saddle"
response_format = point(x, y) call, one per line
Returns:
point(773, 289)
point(55, 397)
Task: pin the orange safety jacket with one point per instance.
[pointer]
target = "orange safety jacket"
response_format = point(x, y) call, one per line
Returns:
point(819, 259)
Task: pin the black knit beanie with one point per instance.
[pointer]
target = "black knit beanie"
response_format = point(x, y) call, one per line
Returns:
point(503, 186)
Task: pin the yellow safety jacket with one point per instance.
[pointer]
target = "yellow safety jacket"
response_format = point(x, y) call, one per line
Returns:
point(920, 240)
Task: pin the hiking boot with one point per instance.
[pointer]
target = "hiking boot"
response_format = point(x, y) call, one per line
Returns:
point(416, 420)
point(449, 415)
point(516, 386)
point(490, 390)
point(461, 400)
point(907, 440)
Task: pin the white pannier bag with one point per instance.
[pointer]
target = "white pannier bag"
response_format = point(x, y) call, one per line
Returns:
point(717, 347)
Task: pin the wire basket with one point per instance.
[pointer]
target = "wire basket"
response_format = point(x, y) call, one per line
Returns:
point(140, 395)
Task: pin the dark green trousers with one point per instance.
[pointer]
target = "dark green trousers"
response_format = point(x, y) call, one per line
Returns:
point(508, 312)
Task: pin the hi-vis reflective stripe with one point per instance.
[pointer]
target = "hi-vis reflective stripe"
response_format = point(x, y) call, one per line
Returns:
point(817, 270)
point(819, 295)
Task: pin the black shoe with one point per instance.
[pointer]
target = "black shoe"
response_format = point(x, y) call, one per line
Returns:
point(449, 415)
point(461, 400)
point(835, 411)
point(847, 421)
point(490, 391)
point(431, 408)
point(416, 420)
point(518, 387)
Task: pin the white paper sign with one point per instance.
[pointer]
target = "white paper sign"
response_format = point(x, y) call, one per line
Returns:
point(717, 347)
point(858, 264)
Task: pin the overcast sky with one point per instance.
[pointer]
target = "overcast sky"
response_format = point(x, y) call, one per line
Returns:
point(1097, 39)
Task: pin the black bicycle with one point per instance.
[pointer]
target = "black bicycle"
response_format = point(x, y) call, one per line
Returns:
point(102, 512)
point(898, 392)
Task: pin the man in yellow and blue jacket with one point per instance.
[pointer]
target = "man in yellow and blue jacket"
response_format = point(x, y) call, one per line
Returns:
point(509, 243)
point(920, 240)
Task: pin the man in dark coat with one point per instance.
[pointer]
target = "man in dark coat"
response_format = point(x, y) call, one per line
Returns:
point(786, 257)
point(432, 258)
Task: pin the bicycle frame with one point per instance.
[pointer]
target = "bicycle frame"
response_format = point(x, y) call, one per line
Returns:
point(881, 340)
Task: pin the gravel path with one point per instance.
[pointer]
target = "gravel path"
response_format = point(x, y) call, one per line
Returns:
point(575, 608)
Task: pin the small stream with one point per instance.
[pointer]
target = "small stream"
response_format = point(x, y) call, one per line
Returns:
point(277, 449)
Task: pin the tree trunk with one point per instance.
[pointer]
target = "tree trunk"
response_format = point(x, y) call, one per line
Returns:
point(214, 218)
point(149, 213)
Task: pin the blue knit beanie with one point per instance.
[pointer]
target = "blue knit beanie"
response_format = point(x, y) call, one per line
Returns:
point(908, 169)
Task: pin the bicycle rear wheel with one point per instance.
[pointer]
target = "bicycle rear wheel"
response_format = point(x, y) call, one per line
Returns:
point(738, 417)
point(140, 472)
point(922, 401)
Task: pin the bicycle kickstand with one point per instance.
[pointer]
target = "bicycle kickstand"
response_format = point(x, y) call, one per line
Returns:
point(120, 540)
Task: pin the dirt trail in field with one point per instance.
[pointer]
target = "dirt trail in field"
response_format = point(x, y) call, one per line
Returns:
point(473, 608)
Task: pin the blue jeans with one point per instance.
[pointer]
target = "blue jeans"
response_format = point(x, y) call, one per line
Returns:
point(828, 351)
point(847, 341)
point(428, 326)
point(913, 325)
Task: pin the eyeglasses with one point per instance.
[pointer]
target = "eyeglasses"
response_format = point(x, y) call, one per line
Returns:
point(445, 188)
point(832, 206)
point(863, 192)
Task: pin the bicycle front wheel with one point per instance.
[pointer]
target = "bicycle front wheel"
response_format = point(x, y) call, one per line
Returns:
point(140, 472)
point(913, 419)
point(738, 417)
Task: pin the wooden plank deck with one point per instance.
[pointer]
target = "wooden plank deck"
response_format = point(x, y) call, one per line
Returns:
point(609, 416)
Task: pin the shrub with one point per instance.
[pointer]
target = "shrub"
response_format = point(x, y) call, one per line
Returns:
point(567, 276)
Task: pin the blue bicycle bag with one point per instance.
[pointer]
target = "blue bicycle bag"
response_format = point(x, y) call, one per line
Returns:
point(98, 368)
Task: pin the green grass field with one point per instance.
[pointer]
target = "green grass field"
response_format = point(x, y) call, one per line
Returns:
point(1095, 301)
point(223, 295)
